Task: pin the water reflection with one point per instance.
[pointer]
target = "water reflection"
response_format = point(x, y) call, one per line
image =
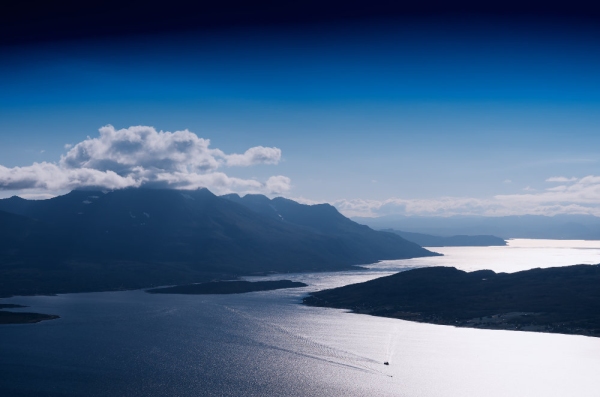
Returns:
point(265, 343)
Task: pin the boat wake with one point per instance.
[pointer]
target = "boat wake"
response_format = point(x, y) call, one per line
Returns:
point(307, 347)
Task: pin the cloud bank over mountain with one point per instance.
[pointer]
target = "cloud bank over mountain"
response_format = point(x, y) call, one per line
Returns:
point(141, 156)
point(571, 196)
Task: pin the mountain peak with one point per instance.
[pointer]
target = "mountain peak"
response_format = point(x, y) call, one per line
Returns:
point(139, 237)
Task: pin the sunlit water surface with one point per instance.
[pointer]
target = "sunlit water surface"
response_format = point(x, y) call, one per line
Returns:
point(266, 343)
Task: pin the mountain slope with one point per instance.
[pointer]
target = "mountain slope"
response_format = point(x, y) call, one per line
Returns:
point(325, 219)
point(136, 238)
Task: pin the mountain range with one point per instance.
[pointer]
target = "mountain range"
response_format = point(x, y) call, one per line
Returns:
point(560, 227)
point(135, 238)
point(428, 240)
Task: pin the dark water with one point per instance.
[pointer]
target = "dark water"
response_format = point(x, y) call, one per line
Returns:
point(266, 343)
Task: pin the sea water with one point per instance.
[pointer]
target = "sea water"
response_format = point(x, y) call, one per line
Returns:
point(266, 343)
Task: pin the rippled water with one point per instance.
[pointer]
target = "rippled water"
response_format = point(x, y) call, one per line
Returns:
point(265, 343)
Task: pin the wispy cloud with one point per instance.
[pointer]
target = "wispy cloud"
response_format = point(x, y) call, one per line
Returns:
point(581, 196)
point(561, 179)
point(141, 156)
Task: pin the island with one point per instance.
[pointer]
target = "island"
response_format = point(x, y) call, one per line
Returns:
point(21, 317)
point(10, 306)
point(227, 287)
point(562, 300)
point(428, 240)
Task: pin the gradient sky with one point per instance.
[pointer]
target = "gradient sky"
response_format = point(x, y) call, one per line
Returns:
point(420, 116)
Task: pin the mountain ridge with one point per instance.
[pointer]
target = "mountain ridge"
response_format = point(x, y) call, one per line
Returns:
point(135, 238)
point(325, 219)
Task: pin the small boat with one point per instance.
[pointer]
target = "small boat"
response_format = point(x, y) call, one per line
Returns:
point(386, 363)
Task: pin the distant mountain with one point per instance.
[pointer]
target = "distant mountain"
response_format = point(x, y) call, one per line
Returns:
point(428, 240)
point(565, 227)
point(136, 238)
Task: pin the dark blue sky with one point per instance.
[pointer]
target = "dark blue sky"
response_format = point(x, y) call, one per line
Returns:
point(406, 108)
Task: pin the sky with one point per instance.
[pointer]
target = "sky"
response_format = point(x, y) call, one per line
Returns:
point(418, 115)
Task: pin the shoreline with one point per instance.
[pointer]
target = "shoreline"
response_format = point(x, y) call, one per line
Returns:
point(502, 324)
point(562, 300)
point(7, 318)
point(227, 287)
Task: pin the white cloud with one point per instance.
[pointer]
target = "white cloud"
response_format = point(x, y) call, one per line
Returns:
point(507, 181)
point(278, 184)
point(181, 151)
point(141, 156)
point(37, 196)
point(255, 155)
point(220, 183)
point(50, 176)
point(581, 197)
point(560, 179)
point(307, 201)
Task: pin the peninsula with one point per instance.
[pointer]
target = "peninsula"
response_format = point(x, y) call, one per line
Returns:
point(227, 287)
point(562, 300)
point(21, 317)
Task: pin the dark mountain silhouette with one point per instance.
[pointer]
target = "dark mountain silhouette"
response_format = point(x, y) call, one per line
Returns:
point(135, 238)
point(561, 299)
point(428, 240)
point(325, 219)
point(14, 232)
point(19, 234)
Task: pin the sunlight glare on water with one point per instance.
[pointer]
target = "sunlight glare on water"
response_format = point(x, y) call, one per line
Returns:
point(519, 254)
point(266, 343)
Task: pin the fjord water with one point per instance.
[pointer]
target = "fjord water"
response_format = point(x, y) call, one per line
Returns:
point(265, 343)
